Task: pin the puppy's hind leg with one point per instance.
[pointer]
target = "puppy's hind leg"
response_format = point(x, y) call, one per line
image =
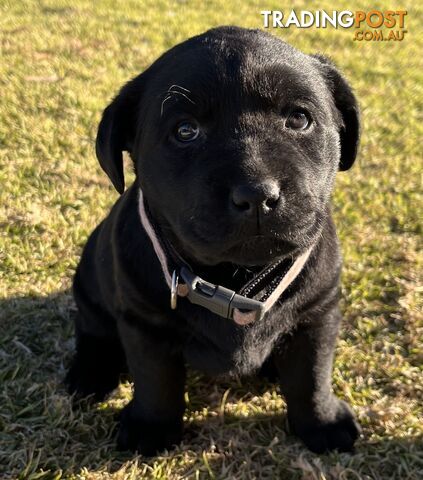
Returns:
point(97, 365)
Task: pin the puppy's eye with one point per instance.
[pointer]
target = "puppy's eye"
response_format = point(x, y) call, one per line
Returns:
point(297, 120)
point(187, 131)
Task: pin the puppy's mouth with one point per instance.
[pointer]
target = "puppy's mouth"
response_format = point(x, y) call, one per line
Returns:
point(281, 239)
point(250, 251)
point(245, 250)
point(258, 250)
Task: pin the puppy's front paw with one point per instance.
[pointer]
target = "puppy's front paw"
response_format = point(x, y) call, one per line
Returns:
point(148, 437)
point(338, 431)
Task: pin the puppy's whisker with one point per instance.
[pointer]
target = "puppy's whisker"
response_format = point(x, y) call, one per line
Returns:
point(163, 102)
point(182, 95)
point(171, 91)
point(178, 86)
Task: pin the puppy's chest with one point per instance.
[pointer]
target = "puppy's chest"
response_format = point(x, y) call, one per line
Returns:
point(217, 345)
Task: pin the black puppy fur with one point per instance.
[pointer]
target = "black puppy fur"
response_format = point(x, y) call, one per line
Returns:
point(251, 188)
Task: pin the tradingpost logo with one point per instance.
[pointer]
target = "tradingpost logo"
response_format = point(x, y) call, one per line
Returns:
point(371, 25)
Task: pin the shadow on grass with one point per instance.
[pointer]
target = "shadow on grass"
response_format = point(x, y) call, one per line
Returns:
point(43, 436)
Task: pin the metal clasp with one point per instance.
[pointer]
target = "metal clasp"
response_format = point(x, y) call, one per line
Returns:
point(174, 291)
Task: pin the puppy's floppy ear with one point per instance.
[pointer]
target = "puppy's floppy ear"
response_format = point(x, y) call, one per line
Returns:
point(347, 105)
point(117, 130)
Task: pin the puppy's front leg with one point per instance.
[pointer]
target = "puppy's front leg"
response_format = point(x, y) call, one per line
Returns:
point(152, 421)
point(304, 364)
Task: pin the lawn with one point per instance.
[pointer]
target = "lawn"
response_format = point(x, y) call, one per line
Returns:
point(61, 63)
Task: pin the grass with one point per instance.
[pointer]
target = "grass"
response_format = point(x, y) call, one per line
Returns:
point(61, 62)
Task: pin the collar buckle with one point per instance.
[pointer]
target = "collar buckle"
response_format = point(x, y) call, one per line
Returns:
point(219, 300)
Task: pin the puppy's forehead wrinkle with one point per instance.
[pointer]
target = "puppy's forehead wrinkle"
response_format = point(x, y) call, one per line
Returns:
point(281, 83)
point(234, 76)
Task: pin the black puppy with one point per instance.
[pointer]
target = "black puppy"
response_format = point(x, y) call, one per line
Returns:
point(236, 138)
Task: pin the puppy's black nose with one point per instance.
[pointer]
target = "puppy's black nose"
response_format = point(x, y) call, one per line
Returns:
point(251, 198)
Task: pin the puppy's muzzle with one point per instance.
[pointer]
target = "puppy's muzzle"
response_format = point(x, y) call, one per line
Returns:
point(255, 199)
point(253, 300)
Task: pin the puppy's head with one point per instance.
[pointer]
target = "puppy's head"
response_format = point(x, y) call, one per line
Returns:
point(236, 138)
